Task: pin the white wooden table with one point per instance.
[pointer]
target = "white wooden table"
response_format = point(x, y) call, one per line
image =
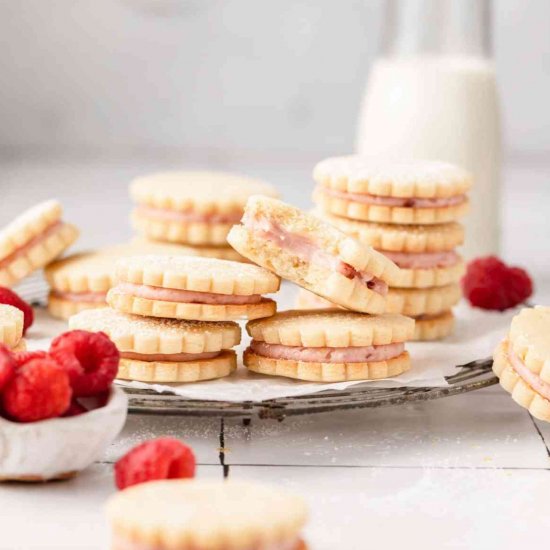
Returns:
point(469, 471)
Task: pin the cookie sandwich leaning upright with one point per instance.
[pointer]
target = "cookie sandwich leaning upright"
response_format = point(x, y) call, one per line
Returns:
point(11, 327)
point(33, 240)
point(313, 254)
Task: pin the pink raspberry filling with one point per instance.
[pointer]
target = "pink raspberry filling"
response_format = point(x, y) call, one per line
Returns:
point(187, 216)
point(92, 297)
point(309, 251)
point(404, 202)
point(185, 296)
point(423, 260)
point(529, 377)
point(169, 357)
point(22, 250)
point(357, 354)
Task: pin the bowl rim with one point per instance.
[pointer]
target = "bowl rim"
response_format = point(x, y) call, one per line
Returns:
point(117, 399)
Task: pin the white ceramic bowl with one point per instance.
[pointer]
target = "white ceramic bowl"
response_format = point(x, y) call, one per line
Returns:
point(59, 447)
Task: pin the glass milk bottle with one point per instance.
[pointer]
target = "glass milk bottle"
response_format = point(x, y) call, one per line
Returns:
point(432, 95)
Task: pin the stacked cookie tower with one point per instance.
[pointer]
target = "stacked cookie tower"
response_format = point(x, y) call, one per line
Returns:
point(194, 209)
point(173, 317)
point(408, 212)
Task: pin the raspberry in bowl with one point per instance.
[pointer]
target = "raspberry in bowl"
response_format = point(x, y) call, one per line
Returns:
point(59, 409)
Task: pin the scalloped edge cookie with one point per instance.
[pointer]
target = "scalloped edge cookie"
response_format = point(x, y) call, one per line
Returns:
point(409, 178)
point(389, 214)
point(423, 301)
point(158, 336)
point(173, 372)
point(434, 327)
point(327, 372)
point(65, 309)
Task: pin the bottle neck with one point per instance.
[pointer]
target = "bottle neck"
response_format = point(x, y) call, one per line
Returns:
point(437, 27)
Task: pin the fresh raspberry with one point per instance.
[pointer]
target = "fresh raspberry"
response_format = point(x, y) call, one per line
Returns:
point(75, 408)
point(7, 366)
point(490, 284)
point(89, 358)
point(22, 357)
point(163, 458)
point(10, 298)
point(39, 390)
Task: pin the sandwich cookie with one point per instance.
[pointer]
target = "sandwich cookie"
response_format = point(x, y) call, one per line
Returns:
point(165, 350)
point(81, 281)
point(329, 345)
point(187, 514)
point(416, 302)
point(522, 361)
point(414, 192)
point(11, 327)
point(186, 287)
point(32, 240)
point(195, 208)
point(313, 254)
point(426, 327)
point(424, 253)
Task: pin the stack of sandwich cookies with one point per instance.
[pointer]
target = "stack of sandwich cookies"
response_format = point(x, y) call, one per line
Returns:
point(11, 327)
point(193, 208)
point(313, 254)
point(360, 197)
point(165, 350)
point(522, 361)
point(81, 281)
point(194, 288)
point(206, 515)
point(32, 240)
point(329, 345)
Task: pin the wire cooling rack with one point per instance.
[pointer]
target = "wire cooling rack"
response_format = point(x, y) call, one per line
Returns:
point(469, 377)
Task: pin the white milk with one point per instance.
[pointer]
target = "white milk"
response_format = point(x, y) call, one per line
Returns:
point(441, 108)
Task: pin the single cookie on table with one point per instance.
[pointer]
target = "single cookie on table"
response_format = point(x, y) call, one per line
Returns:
point(81, 281)
point(522, 361)
point(195, 288)
point(329, 345)
point(195, 208)
point(313, 254)
point(220, 252)
point(413, 192)
point(188, 514)
point(11, 326)
point(33, 240)
point(424, 253)
point(165, 350)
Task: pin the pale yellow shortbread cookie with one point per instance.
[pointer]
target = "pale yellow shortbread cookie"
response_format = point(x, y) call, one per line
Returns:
point(331, 328)
point(297, 344)
point(313, 254)
point(21, 346)
point(165, 350)
point(206, 515)
point(401, 238)
point(158, 336)
point(426, 278)
point(192, 207)
point(423, 301)
point(433, 327)
point(64, 309)
point(187, 287)
point(11, 325)
point(414, 178)
point(522, 361)
point(32, 240)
